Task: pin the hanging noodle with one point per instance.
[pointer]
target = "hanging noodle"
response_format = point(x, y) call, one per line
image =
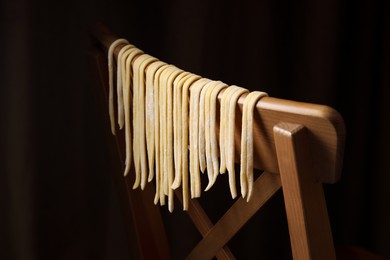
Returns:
point(230, 138)
point(120, 83)
point(111, 80)
point(126, 104)
point(185, 130)
point(247, 142)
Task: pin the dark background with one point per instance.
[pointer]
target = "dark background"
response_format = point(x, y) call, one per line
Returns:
point(57, 200)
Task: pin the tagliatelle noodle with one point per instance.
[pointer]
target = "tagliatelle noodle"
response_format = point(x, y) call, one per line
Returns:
point(164, 124)
point(193, 130)
point(122, 56)
point(127, 89)
point(169, 133)
point(111, 80)
point(177, 126)
point(190, 81)
point(201, 127)
point(120, 83)
point(213, 133)
point(158, 83)
point(230, 138)
point(159, 168)
point(244, 140)
point(254, 98)
point(127, 50)
point(222, 127)
point(138, 120)
point(150, 115)
point(146, 60)
point(210, 132)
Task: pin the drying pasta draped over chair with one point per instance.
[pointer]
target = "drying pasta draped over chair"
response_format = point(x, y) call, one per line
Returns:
point(173, 117)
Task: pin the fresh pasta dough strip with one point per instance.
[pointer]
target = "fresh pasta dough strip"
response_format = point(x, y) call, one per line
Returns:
point(160, 196)
point(111, 80)
point(194, 131)
point(150, 114)
point(125, 98)
point(145, 61)
point(162, 136)
point(230, 138)
point(139, 149)
point(177, 126)
point(207, 148)
point(222, 127)
point(170, 145)
point(126, 104)
point(201, 131)
point(210, 133)
point(185, 136)
point(163, 125)
point(244, 140)
point(212, 129)
point(136, 107)
point(120, 83)
point(249, 145)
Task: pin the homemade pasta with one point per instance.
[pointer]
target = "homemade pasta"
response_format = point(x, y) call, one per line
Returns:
point(184, 145)
point(120, 83)
point(246, 170)
point(111, 81)
point(170, 122)
point(229, 135)
point(194, 133)
point(126, 104)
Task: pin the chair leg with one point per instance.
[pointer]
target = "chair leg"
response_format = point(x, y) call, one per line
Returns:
point(307, 216)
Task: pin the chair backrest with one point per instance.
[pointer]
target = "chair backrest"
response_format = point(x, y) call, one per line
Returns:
point(298, 145)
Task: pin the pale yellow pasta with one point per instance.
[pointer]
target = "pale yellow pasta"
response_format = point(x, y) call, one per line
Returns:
point(162, 130)
point(222, 127)
point(164, 125)
point(120, 82)
point(125, 98)
point(127, 89)
point(111, 81)
point(201, 127)
point(230, 138)
point(194, 130)
point(255, 96)
point(138, 120)
point(169, 134)
point(142, 117)
point(177, 126)
point(209, 162)
point(136, 152)
point(173, 113)
point(150, 115)
point(212, 129)
point(210, 132)
point(185, 136)
point(160, 196)
point(244, 140)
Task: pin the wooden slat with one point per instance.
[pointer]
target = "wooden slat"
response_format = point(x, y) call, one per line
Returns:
point(326, 128)
point(307, 216)
point(234, 219)
point(203, 223)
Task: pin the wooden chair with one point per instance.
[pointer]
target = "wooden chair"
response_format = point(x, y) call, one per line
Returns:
point(299, 146)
